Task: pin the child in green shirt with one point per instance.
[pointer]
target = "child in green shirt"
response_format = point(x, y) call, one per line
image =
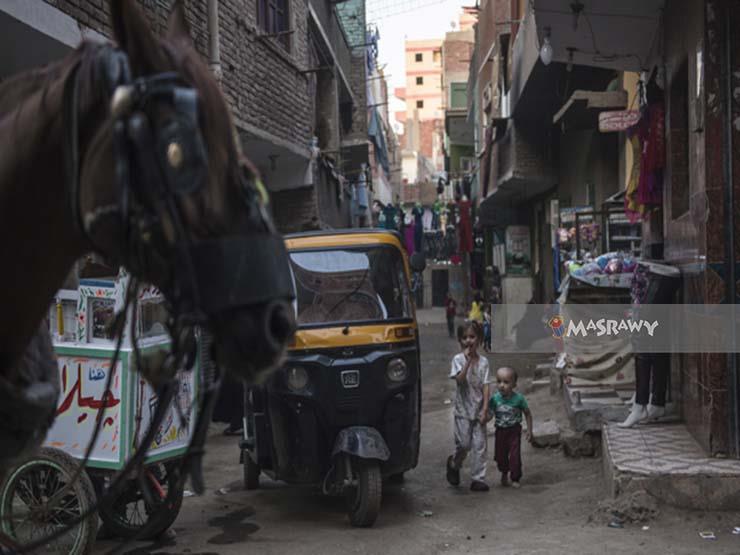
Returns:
point(507, 406)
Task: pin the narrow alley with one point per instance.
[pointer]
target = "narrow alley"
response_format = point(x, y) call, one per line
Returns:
point(555, 511)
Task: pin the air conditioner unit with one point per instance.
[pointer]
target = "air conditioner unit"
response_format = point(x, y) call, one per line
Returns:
point(487, 96)
point(506, 105)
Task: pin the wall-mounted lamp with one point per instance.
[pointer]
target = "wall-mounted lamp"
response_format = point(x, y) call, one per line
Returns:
point(546, 49)
point(576, 7)
point(570, 50)
point(273, 161)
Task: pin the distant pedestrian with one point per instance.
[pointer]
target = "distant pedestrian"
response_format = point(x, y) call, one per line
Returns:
point(507, 407)
point(450, 310)
point(471, 374)
point(487, 327)
point(476, 314)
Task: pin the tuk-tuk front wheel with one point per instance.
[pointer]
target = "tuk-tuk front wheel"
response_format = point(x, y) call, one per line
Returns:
point(363, 498)
point(251, 472)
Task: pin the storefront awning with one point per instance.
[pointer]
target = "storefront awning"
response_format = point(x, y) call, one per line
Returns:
point(616, 34)
point(581, 111)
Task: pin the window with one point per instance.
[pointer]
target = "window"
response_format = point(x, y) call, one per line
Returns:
point(274, 19)
point(458, 95)
point(419, 80)
point(419, 103)
point(437, 56)
point(101, 317)
point(366, 284)
point(419, 57)
point(153, 318)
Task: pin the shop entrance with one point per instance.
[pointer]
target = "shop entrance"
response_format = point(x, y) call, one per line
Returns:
point(440, 286)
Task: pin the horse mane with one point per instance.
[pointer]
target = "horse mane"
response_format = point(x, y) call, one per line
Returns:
point(218, 130)
point(22, 87)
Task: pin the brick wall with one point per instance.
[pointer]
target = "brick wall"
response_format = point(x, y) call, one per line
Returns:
point(456, 55)
point(427, 131)
point(261, 81)
point(357, 79)
point(295, 210)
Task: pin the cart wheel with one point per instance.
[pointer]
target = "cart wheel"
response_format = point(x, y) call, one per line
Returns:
point(363, 500)
point(25, 513)
point(251, 472)
point(129, 515)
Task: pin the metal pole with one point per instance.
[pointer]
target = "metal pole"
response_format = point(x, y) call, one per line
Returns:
point(731, 293)
point(214, 39)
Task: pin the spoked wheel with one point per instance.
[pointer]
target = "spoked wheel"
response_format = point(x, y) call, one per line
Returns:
point(363, 498)
point(251, 471)
point(35, 502)
point(130, 515)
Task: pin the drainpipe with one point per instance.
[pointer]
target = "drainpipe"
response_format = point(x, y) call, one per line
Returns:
point(730, 276)
point(214, 40)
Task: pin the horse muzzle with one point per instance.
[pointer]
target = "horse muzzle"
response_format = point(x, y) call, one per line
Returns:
point(251, 342)
point(244, 287)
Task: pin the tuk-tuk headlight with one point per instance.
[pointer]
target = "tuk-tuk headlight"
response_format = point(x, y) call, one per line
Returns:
point(296, 378)
point(397, 370)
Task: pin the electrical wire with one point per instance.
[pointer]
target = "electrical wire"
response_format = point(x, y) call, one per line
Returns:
point(379, 12)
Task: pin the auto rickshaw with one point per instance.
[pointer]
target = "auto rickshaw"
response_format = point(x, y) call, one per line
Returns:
point(344, 411)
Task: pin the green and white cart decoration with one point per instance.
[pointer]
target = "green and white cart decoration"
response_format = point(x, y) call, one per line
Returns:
point(80, 325)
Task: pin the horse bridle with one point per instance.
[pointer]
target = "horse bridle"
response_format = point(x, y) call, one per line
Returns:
point(161, 165)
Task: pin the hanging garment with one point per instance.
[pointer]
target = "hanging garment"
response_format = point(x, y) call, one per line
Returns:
point(400, 224)
point(418, 213)
point(652, 162)
point(409, 235)
point(465, 227)
point(632, 207)
point(428, 218)
point(389, 213)
point(485, 166)
point(436, 211)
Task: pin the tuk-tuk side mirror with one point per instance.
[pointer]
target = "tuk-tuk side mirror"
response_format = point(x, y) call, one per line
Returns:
point(418, 262)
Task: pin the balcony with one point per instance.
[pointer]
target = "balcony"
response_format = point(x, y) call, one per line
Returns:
point(334, 43)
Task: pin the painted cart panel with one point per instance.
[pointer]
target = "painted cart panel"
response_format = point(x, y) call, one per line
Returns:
point(84, 361)
point(83, 375)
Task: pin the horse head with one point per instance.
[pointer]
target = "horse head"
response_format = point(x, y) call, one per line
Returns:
point(160, 186)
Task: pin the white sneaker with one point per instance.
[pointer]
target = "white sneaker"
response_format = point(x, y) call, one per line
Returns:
point(636, 415)
point(655, 412)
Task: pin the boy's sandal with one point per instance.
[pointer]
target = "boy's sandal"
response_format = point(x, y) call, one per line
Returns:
point(453, 474)
point(477, 485)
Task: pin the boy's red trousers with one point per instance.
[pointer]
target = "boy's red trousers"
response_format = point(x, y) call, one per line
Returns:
point(508, 454)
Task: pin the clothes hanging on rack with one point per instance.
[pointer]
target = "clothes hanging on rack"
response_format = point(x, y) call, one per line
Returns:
point(632, 207)
point(409, 226)
point(418, 213)
point(389, 217)
point(465, 227)
point(652, 135)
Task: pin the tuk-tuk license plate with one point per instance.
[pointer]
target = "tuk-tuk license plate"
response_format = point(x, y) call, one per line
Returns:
point(350, 378)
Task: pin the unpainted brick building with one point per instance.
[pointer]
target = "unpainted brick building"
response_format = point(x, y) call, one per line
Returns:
point(285, 69)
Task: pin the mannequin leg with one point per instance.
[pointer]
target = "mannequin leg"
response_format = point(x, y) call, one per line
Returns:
point(643, 366)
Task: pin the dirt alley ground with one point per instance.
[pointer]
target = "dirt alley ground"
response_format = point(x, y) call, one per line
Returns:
point(548, 515)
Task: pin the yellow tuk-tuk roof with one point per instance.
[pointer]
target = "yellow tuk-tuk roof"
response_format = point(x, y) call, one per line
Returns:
point(342, 238)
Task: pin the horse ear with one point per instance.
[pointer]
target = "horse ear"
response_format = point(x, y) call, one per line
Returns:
point(134, 36)
point(177, 24)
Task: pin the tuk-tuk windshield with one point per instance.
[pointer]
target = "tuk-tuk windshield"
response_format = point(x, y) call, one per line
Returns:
point(348, 285)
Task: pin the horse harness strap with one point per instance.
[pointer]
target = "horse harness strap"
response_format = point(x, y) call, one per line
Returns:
point(159, 158)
